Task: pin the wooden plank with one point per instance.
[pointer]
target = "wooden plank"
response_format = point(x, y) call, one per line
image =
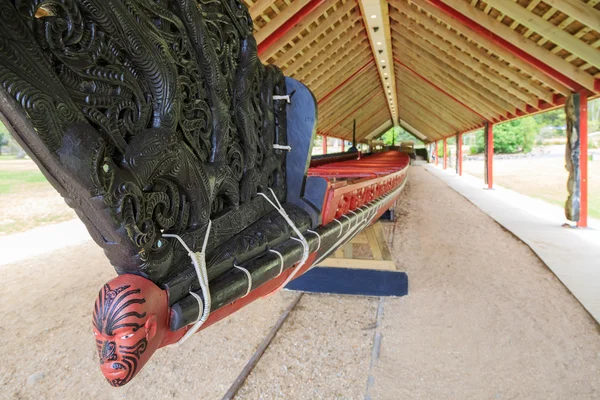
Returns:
point(446, 109)
point(513, 37)
point(444, 49)
point(452, 86)
point(312, 35)
point(476, 82)
point(259, 7)
point(549, 30)
point(335, 39)
point(380, 236)
point(384, 265)
point(417, 19)
point(373, 244)
point(279, 20)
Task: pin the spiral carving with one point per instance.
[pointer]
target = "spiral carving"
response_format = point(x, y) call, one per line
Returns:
point(153, 116)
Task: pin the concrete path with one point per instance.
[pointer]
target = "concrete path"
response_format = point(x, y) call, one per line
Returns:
point(572, 254)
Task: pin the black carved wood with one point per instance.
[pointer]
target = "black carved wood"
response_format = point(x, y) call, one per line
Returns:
point(149, 117)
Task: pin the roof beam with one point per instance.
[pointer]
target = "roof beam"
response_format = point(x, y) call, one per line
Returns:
point(549, 30)
point(440, 89)
point(278, 43)
point(375, 15)
point(443, 49)
point(259, 7)
point(423, 126)
point(326, 81)
point(351, 109)
point(576, 9)
point(283, 20)
point(480, 55)
point(337, 38)
point(453, 19)
point(426, 102)
point(475, 81)
point(353, 48)
point(369, 97)
point(488, 31)
point(435, 73)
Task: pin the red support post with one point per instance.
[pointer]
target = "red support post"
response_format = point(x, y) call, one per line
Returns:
point(460, 154)
point(445, 153)
point(583, 158)
point(437, 159)
point(489, 132)
point(343, 145)
point(324, 144)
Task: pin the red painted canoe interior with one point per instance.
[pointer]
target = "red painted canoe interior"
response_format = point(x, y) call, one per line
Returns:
point(354, 183)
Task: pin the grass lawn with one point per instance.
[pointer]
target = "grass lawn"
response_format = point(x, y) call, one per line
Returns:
point(541, 177)
point(27, 200)
point(20, 181)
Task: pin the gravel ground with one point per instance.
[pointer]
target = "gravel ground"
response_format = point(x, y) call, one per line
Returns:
point(484, 319)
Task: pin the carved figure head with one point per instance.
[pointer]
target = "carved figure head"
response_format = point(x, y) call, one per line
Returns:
point(130, 323)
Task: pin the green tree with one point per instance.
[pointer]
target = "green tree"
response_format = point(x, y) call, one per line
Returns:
point(397, 134)
point(511, 137)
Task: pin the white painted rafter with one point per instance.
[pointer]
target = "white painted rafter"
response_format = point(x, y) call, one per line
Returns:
point(376, 16)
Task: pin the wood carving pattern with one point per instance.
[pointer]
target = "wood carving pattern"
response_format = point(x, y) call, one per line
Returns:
point(149, 116)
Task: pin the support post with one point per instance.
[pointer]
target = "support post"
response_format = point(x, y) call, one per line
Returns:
point(324, 144)
point(576, 207)
point(583, 146)
point(459, 154)
point(343, 145)
point(445, 153)
point(437, 159)
point(489, 154)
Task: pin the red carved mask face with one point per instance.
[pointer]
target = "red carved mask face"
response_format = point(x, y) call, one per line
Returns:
point(129, 324)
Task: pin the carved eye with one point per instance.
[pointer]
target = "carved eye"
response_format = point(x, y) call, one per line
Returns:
point(127, 336)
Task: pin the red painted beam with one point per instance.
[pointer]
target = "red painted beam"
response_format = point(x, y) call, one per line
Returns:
point(289, 24)
point(439, 88)
point(529, 59)
point(345, 82)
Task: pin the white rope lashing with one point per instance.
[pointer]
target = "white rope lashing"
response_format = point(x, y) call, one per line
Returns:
point(341, 227)
point(199, 261)
point(280, 259)
point(282, 147)
point(286, 97)
point(318, 237)
point(301, 238)
point(248, 275)
point(349, 221)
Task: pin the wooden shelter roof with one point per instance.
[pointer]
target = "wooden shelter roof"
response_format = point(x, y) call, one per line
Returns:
point(456, 63)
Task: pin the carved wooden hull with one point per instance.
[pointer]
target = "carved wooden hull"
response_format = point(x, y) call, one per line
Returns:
point(155, 118)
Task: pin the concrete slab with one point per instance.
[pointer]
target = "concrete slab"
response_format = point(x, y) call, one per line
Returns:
point(573, 255)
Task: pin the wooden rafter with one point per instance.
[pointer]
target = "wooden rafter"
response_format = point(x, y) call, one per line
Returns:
point(500, 30)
